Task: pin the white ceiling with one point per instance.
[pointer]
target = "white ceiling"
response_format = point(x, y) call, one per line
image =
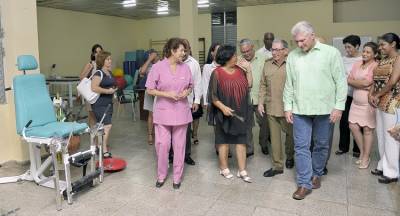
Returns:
point(148, 8)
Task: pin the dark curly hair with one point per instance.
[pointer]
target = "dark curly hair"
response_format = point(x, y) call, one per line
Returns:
point(354, 40)
point(224, 54)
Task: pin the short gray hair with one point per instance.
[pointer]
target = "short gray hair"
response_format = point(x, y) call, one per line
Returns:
point(245, 41)
point(283, 42)
point(302, 27)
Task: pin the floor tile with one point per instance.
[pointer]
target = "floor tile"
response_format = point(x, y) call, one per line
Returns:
point(346, 190)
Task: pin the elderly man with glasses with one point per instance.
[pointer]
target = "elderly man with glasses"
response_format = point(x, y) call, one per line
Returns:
point(271, 91)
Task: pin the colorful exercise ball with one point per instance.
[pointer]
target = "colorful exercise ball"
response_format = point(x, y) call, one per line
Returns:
point(128, 79)
point(120, 82)
point(118, 72)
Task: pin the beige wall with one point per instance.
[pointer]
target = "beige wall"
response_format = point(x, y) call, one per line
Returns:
point(167, 27)
point(18, 19)
point(204, 29)
point(66, 37)
point(188, 21)
point(279, 18)
point(366, 10)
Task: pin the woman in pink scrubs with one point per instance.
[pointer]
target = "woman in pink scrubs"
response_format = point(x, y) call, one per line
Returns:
point(171, 82)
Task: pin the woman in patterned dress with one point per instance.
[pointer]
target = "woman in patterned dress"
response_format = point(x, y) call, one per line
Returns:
point(385, 95)
point(230, 109)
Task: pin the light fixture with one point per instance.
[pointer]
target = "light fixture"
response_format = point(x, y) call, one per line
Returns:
point(162, 6)
point(129, 3)
point(162, 12)
point(203, 5)
point(203, 2)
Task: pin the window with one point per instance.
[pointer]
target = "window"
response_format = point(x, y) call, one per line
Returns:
point(224, 28)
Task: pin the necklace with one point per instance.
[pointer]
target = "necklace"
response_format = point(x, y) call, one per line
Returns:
point(365, 65)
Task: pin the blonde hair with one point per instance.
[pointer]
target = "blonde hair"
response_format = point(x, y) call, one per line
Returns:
point(101, 58)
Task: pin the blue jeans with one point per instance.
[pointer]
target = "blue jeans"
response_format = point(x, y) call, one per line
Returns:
point(308, 165)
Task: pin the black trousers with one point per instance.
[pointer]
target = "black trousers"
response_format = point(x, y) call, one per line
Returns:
point(344, 141)
point(188, 148)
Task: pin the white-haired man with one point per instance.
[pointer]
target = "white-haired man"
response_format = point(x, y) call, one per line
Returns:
point(256, 62)
point(314, 97)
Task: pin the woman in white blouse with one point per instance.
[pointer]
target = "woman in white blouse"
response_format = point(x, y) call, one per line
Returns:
point(208, 68)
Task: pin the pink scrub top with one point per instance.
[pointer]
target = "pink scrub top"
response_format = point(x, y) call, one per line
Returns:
point(167, 111)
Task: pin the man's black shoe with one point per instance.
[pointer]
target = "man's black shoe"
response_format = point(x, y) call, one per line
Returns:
point(356, 154)
point(340, 152)
point(377, 172)
point(386, 180)
point(265, 151)
point(271, 172)
point(289, 164)
point(249, 154)
point(325, 172)
point(189, 161)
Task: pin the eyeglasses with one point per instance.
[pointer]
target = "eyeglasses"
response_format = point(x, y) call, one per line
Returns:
point(246, 51)
point(276, 50)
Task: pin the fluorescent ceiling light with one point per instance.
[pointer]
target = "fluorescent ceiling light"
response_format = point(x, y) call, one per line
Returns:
point(203, 2)
point(162, 9)
point(129, 3)
point(203, 5)
point(162, 12)
point(162, 6)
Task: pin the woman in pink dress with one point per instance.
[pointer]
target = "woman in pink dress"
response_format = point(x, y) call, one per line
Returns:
point(362, 114)
point(171, 82)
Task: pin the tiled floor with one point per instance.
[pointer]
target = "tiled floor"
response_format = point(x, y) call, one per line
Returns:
point(346, 190)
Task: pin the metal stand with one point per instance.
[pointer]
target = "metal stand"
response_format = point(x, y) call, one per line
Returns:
point(56, 146)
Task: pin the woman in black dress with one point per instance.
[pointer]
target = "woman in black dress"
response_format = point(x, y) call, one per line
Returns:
point(104, 84)
point(230, 108)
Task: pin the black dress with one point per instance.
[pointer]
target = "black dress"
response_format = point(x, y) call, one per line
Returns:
point(233, 91)
point(199, 113)
point(99, 107)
